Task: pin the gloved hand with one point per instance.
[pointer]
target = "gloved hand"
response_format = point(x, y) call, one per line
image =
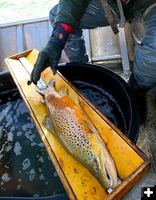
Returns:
point(51, 54)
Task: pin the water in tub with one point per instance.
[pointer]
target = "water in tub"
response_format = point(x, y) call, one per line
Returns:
point(25, 168)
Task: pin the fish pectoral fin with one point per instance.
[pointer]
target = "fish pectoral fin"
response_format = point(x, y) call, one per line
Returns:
point(63, 91)
point(43, 101)
point(93, 128)
point(51, 83)
point(47, 124)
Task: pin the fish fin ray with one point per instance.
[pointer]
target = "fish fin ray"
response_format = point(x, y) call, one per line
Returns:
point(88, 121)
point(47, 124)
point(43, 101)
point(63, 91)
point(51, 83)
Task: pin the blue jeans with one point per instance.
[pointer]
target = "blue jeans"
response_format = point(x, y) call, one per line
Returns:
point(144, 70)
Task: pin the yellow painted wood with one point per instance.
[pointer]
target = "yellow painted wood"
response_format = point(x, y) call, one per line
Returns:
point(80, 184)
point(32, 56)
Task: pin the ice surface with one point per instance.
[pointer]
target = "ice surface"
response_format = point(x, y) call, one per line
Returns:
point(32, 175)
point(4, 112)
point(9, 119)
point(55, 174)
point(8, 148)
point(19, 134)
point(10, 137)
point(41, 159)
point(26, 164)
point(17, 149)
point(21, 109)
point(5, 177)
point(41, 177)
point(18, 187)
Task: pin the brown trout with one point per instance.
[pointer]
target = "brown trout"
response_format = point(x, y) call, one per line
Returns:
point(78, 135)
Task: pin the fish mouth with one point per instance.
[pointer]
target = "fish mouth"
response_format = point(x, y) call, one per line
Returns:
point(108, 175)
point(107, 171)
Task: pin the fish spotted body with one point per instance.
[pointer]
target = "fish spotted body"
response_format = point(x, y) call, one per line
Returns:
point(79, 136)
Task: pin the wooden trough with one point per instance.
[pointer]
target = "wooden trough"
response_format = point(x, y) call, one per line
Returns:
point(130, 162)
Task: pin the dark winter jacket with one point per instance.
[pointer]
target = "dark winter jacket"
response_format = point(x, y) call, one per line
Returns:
point(71, 11)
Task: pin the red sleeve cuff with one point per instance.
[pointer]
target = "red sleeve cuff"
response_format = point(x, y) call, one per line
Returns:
point(69, 29)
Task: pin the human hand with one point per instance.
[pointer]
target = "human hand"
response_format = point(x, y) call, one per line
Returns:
point(49, 56)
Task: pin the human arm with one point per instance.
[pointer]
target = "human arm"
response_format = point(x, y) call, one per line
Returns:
point(69, 14)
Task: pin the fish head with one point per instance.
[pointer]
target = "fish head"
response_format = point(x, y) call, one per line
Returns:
point(47, 89)
point(100, 171)
point(103, 167)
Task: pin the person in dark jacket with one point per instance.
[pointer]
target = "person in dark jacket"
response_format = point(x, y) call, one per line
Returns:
point(68, 19)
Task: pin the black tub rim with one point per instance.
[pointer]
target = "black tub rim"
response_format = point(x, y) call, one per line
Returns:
point(134, 122)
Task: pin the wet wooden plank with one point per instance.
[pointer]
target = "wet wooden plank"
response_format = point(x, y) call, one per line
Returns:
point(131, 163)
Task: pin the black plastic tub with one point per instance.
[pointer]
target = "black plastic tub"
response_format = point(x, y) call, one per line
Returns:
point(108, 92)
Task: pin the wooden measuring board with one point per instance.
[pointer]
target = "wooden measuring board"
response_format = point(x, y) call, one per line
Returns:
point(130, 162)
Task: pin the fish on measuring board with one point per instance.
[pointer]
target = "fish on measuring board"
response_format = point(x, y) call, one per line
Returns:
point(78, 135)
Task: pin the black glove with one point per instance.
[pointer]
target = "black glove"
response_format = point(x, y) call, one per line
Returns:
point(51, 54)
